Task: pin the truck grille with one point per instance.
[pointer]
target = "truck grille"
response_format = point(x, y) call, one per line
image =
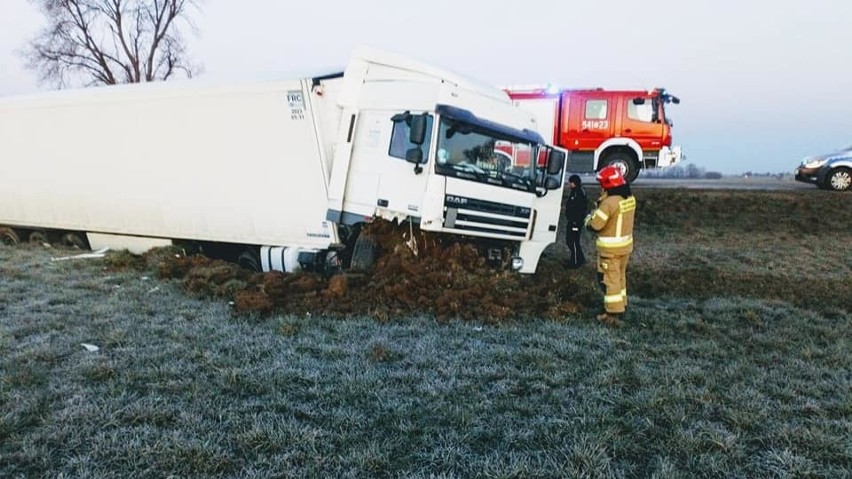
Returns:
point(469, 215)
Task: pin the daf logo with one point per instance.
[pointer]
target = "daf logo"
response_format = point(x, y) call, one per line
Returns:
point(456, 200)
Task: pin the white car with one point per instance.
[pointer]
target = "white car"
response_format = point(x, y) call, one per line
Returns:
point(829, 172)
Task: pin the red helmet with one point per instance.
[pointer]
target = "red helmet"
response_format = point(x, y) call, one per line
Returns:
point(610, 177)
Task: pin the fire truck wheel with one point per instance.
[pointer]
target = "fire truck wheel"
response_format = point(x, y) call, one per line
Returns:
point(623, 162)
point(364, 253)
point(8, 236)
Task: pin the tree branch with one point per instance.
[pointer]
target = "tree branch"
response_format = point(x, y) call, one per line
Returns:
point(89, 41)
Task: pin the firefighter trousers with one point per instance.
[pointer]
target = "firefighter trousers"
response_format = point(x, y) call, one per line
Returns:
point(612, 274)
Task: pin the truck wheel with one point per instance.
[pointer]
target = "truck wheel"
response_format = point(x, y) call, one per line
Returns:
point(364, 253)
point(250, 259)
point(623, 162)
point(74, 239)
point(8, 236)
point(39, 238)
point(839, 179)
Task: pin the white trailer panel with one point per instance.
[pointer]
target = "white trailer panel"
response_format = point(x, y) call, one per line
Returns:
point(237, 164)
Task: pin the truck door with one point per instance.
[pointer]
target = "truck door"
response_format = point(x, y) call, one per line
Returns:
point(640, 123)
point(381, 178)
point(596, 122)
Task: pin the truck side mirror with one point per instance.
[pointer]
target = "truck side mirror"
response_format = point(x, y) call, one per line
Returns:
point(418, 129)
point(552, 183)
point(404, 116)
point(414, 155)
point(555, 162)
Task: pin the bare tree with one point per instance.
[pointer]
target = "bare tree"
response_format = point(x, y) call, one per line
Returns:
point(104, 42)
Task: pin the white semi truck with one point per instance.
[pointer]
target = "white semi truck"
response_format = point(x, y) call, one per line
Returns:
point(280, 175)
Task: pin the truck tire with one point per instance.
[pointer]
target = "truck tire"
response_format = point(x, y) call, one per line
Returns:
point(74, 239)
point(39, 238)
point(364, 253)
point(623, 162)
point(250, 259)
point(8, 236)
point(839, 179)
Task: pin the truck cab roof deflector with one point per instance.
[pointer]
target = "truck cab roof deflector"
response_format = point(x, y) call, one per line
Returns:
point(466, 116)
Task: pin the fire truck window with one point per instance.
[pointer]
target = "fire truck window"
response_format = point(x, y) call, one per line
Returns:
point(643, 112)
point(400, 143)
point(596, 110)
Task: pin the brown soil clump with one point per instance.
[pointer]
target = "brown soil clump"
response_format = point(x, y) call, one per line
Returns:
point(449, 279)
point(446, 279)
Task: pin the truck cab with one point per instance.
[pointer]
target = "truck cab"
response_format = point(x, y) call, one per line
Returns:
point(445, 152)
point(630, 129)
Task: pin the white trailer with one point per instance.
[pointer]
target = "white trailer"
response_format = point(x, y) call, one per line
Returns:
point(279, 173)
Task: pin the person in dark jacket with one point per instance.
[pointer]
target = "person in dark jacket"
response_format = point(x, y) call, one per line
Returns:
point(576, 209)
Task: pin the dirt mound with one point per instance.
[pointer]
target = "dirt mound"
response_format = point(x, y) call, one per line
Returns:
point(446, 279)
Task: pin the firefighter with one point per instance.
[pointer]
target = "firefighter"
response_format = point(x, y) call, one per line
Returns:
point(576, 209)
point(613, 222)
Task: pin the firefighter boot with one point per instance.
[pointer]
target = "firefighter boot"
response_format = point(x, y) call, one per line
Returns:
point(610, 319)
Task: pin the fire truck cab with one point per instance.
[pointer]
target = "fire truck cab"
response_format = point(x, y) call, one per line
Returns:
point(630, 129)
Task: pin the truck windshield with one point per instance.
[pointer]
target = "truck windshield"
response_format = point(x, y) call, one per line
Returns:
point(477, 154)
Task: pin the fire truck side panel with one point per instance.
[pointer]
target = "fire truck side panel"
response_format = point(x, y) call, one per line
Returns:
point(590, 121)
point(594, 124)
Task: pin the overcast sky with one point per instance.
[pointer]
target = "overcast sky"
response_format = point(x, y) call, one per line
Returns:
point(762, 83)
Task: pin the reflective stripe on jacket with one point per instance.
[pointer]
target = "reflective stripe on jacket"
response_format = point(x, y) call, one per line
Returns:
point(613, 221)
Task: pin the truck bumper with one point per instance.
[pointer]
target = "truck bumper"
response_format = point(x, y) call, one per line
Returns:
point(670, 156)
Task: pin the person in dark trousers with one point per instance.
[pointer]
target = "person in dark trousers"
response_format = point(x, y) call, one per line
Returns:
point(576, 209)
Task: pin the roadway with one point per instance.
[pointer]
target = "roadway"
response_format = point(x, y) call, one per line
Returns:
point(727, 183)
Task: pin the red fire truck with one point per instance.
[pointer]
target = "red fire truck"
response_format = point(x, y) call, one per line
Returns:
point(626, 128)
